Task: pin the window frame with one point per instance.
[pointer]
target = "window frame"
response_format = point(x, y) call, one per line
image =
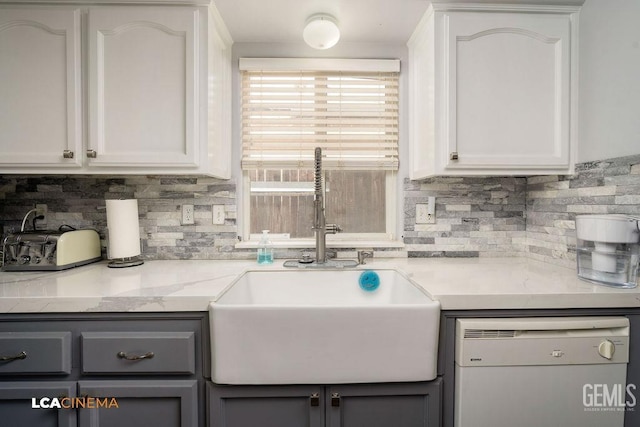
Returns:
point(389, 238)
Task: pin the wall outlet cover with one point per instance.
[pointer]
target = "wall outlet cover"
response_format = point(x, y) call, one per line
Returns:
point(426, 212)
point(218, 214)
point(421, 213)
point(431, 210)
point(41, 209)
point(187, 215)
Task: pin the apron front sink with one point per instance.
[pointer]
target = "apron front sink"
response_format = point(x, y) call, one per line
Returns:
point(323, 327)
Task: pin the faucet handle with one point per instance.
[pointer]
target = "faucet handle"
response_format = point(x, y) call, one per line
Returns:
point(306, 258)
point(332, 228)
point(362, 255)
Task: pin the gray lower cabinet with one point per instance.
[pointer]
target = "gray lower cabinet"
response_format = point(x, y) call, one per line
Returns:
point(154, 403)
point(19, 409)
point(129, 370)
point(351, 405)
point(384, 405)
point(265, 406)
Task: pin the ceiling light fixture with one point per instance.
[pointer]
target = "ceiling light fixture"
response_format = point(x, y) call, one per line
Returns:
point(321, 31)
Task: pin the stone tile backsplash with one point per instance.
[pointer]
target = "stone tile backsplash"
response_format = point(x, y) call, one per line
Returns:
point(79, 201)
point(602, 187)
point(476, 216)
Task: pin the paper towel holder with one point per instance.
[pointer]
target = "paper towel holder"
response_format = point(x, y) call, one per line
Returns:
point(125, 262)
point(123, 246)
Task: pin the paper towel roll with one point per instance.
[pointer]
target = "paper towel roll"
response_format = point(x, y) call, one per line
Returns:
point(124, 228)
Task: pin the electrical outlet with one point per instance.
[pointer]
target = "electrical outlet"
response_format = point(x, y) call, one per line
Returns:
point(218, 214)
point(41, 210)
point(187, 215)
point(421, 213)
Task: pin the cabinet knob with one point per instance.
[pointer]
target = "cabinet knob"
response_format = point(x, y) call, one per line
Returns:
point(453, 155)
point(67, 154)
point(92, 154)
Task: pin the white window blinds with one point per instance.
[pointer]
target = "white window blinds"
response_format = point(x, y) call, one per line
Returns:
point(352, 115)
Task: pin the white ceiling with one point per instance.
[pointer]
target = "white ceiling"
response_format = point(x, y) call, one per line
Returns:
point(282, 21)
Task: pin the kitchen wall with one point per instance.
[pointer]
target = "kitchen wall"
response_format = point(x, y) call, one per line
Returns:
point(532, 216)
point(600, 187)
point(79, 201)
point(476, 216)
point(609, 87)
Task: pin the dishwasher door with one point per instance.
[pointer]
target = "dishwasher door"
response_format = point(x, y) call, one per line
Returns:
point(542, 372)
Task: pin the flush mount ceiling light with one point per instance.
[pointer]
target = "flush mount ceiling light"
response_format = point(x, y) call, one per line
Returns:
point(321, 31)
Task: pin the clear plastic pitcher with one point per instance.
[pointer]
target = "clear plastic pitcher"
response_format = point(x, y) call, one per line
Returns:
point(608, 249)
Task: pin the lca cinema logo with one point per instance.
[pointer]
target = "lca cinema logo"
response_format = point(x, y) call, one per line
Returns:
point(608, 397)
point(74, 402)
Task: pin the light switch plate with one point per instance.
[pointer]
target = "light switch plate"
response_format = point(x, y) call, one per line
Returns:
point(431, 210)
point(426, 212)
point(421, 213)
point(218, 214)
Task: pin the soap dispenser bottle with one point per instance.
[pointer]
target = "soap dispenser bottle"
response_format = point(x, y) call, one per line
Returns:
point(265, 249)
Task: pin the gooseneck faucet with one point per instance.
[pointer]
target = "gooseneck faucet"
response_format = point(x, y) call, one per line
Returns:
point(320, 227)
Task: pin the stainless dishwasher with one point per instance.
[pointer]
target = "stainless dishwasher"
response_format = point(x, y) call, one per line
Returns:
point(542, 372)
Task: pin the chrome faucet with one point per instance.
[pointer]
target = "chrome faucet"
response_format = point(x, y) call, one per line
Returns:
point(320, 227)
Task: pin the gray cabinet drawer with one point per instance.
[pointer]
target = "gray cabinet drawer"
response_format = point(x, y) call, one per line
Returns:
point(35, 352)
point(138, 352)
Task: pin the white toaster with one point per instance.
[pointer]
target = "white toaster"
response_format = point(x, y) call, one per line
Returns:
point(50, 250)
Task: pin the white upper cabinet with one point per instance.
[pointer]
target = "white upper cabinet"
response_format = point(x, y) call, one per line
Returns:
point(493, 90)
point(40, 88)
point(149, 106)
point(143, 87)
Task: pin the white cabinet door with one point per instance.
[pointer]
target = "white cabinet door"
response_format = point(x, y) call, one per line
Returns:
point(40, 88)
point(143, 87)
point(508, 78)
point(493, 90)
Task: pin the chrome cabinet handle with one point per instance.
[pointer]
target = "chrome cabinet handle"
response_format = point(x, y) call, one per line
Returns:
point(19, 356)
point(67, 154)
point(453, 156)
point(91, 154)
point(125, 356)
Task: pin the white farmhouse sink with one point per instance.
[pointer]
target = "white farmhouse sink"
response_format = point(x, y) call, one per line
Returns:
point(320, 327)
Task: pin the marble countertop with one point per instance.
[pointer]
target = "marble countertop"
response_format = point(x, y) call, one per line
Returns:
point(158, 286)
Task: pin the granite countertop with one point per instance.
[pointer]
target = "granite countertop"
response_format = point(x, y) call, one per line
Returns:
point(158, 286)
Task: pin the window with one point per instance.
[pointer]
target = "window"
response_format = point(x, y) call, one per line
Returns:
point(349, 108)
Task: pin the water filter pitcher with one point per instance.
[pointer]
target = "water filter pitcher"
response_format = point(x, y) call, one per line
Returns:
point(608, 248)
